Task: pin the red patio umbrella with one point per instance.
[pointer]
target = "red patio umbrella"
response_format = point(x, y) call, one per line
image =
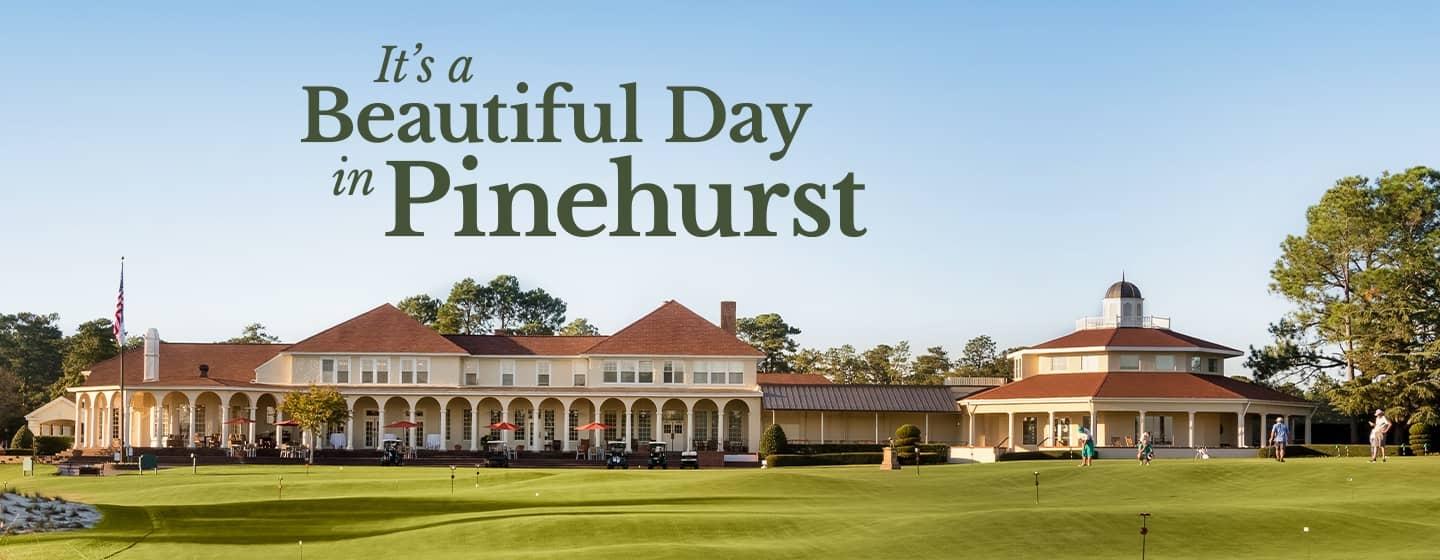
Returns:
point(288, 422)
point(238, 420)
point(403, 424)
point(594, 427)
point(504, 426)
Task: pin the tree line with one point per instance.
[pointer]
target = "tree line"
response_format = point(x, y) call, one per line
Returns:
point(1364, 282)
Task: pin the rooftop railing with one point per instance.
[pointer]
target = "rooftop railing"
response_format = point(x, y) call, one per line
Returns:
point(1101, 322)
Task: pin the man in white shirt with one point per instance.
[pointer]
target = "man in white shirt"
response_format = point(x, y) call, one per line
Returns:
point(1377, 435)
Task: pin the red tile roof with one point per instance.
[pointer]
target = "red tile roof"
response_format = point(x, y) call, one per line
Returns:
point(1133, 385)
point(675, 330)
point(500, 345)
point(791, 379)
point(383, 329)
point(230, 364)
point(1131, 337)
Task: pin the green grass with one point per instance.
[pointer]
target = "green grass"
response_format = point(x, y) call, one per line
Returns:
point(1217, 509)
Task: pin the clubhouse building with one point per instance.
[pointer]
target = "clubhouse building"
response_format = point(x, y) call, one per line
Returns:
point(1125, 373)
point(670, 376)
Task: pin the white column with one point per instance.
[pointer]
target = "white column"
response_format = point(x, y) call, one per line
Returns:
point(970, 440)
point(720, 427)
point(224, 425)
point(1190, 427)
point(191, 442)
point(1307, 429)
point(927, 428)
point(411, 431)
point(534, 432)
point(822, 427)
point(474, 427)
point(445, 426)
point(752, 431)
point(877, 427)
point(1050, 430)
point(565, 428)
point(505, 417)
point(1140, 427)
point(690, 426)
point(1240, 429)
point(251, 425)
point(1010, 427)
point(350, 429)
point(629, 423)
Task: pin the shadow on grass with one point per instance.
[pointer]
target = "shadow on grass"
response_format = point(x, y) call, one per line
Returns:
point(336, 519)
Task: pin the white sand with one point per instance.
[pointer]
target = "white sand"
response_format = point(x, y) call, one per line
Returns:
point(38, 514)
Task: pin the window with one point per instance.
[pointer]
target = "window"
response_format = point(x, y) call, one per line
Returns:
point(614, 429)
point(1195, 363)
point(367, 370)
point(507, 375)
point(495, 417)
point(449, 425)
point(547, 420)
point(611, 375)
point(472, 372)
point(372, 427)
point(1019, 370)
point(1090, 363)
point(342, 370)
point(674, 372)
point(642, 426)
point(737, 373)
point(327, 371)
point(733, 433)
point(422, 371)
point(382, 370)
point(1164, 362)
point(577, 371)
point(467, 423)
point(1059, 363)
point(407, 371)
point(574, 434)
point(1030, 431)
point(542, 373)
point(1213, 365)
point(647, 371)
point(520, 417)
point(1129, 361)
point(702, 375)
point(627, 371)
point(702, 425)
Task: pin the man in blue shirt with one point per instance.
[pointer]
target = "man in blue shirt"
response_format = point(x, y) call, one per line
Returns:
point(1279, 437)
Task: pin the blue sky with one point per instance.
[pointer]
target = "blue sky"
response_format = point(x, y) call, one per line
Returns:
point(1017, 159)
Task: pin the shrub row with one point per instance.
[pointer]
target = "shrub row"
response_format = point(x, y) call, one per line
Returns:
point(50, 445)
point(825, 448)
point(853, 458)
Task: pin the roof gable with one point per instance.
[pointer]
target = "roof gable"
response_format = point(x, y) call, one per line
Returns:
point(382, 329)
point(675, 330)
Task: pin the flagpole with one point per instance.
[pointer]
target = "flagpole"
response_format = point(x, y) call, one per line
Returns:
point(124, 402)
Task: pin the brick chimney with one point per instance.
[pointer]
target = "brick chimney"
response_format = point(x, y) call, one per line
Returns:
point(727, 316)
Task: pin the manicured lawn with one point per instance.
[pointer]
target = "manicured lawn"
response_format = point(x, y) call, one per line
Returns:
point(1220, 509)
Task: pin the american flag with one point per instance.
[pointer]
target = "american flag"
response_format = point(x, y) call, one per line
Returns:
point(119, 326)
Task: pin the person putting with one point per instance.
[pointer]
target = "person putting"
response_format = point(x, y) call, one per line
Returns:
point(1279, 438)
point(1087, 447)
point(1377, 435)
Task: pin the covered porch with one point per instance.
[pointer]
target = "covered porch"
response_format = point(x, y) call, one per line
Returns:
point(1055, 424)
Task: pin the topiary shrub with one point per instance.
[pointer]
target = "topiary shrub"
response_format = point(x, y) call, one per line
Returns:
point(1420, 438)
point(772, 442)
point(907, 439)
point(50, 445)
point(23, 439)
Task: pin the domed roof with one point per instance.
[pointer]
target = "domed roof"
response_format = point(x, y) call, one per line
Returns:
point(1123, 289)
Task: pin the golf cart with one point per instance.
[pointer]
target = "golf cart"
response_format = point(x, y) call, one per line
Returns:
point(690, 459)
point(391, 454)
point(495, 455)
point(616, 456)
point(657, 455)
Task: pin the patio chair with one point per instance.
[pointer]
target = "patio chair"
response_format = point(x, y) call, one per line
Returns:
point(583, 451)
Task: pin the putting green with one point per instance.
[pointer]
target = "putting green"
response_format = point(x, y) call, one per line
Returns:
point(1216, 509)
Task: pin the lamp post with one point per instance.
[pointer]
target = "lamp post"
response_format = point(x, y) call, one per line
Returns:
point(1037, 488)
point(194, 464)
point(1144, 530)
point(477, 475)
point(452, 480)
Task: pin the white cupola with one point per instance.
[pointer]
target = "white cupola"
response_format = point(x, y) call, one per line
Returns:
point(1123, 305)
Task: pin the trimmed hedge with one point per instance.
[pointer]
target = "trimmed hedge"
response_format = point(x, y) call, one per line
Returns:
point(772, 442)
point(827, 448)
point(855, 458)
point(18, 452)
point(50, 445)
point(23, 439)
